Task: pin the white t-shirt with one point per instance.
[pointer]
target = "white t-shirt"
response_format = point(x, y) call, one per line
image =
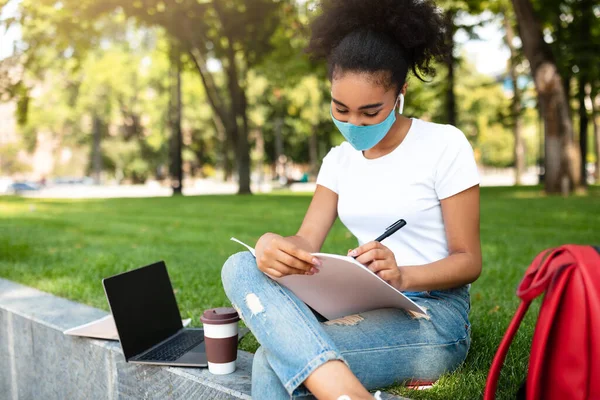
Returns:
point(433, 162)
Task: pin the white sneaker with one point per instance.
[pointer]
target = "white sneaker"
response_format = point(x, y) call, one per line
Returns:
point(346, 397)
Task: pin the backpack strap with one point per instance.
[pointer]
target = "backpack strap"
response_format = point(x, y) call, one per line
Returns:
point(541, 271)
point(492, 379)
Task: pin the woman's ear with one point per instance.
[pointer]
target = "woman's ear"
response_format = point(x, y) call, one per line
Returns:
point(403, 91)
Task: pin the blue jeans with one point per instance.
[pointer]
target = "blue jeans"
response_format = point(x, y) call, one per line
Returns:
point(382, 347)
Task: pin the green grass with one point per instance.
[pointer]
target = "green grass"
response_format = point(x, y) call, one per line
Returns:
point(66, 247)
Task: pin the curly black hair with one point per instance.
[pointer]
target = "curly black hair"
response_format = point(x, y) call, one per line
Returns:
point(391, 37)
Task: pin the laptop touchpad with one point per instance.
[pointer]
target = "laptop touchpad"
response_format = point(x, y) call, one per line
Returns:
point(197, 355)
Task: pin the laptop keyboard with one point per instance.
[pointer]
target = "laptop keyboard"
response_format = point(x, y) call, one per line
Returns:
point(176, 347)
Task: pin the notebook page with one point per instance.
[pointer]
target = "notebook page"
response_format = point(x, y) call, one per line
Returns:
point(343, 287)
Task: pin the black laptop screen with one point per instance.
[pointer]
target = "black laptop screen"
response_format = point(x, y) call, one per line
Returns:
point(143, 306)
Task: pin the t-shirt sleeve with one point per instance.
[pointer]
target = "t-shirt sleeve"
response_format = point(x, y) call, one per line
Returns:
point(328, 172)
point(456, 168)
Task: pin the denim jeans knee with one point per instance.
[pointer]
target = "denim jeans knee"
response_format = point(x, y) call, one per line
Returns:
point(239, 267)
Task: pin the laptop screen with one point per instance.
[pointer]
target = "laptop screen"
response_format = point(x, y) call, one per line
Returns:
point(143, 306)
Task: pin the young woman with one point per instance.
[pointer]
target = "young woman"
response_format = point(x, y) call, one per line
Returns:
point(389, 167)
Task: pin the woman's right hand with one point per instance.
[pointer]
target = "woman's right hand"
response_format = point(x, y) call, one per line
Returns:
point(278, 257)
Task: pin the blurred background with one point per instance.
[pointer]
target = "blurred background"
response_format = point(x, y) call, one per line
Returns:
point(118, 98)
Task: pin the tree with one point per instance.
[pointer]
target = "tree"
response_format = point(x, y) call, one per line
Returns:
point(176, 143)
point(452, 10)
point(574, 33)
point(596, 125)
point(451, 67)
point(235, 32)
point(298, 91)
point(99, 97)
point(482, 106)
point(584, 15)
point(516, 106)
point(561, 161)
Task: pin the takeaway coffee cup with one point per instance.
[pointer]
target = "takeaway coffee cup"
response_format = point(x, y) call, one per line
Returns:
point(221, 339)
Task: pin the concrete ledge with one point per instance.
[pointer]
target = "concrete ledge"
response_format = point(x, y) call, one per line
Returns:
point(39, 362)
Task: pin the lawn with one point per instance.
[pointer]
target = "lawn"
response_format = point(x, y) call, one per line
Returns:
point(66, 247)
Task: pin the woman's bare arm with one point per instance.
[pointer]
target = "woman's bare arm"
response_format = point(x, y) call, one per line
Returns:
point(463, 264)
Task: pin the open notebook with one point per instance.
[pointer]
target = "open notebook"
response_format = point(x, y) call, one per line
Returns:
point(343, 287)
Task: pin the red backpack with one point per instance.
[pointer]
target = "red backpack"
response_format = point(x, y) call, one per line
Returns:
point(565, 350)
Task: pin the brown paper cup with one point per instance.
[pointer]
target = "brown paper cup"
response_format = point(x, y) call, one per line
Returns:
point(221, 339)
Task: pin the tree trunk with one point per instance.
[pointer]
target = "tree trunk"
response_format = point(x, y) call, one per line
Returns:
point(176, 169)
point(229, 166)
point(597, 140)
point(238, 130)
point(541, 157)
point(313, 152)
point(566, 79)
point(519, 148)
point(583, 127)
point(221, 150)
point(561, 160)
point(227, 117)
point(278, 146)
point(96, 148)
point(596, 125)
point(584, 69)
point(450, 65)
point(260, 150)
point(239, 126)
point(243, 147)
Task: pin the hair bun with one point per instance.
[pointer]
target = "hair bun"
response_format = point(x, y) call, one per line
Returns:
point(417, 26)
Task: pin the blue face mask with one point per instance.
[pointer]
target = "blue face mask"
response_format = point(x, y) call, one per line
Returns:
point(366, 137)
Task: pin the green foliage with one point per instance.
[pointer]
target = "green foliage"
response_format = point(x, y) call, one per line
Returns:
point(125, 84)
point(496, 146)
point(425, 99)
point(111, 59)
point(573, 31)
point(112, 84)
point(287, 63)
point(200, 133)
point(124, 160)
point(9, 160)
point(481, 102)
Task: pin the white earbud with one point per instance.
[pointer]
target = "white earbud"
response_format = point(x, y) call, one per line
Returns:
point(401, 109)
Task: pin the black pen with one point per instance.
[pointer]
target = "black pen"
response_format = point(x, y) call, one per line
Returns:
point(390, 230)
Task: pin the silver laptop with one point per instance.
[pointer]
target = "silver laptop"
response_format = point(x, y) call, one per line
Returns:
point(148, 322)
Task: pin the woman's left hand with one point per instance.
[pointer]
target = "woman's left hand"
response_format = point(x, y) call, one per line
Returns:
point(380, 260)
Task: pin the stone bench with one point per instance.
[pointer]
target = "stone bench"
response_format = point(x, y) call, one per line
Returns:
point(39, 362)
